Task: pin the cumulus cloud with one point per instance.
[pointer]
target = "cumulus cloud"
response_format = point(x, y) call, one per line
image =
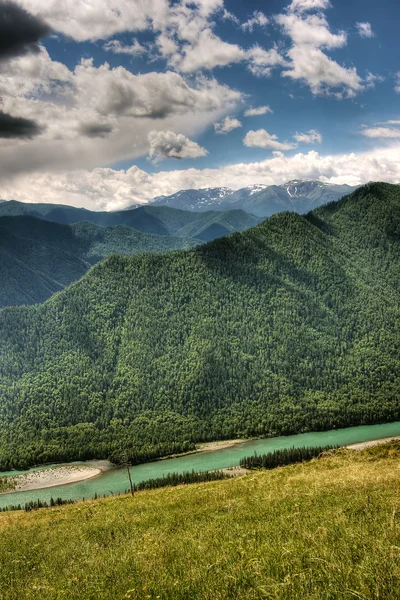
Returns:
point(311, 137)
point(151, 95)
point(381, 132)
point(306, 5)
point(183, 30)
point(258, 111)
point(310, 34)
point(323, 75)
point(98, 115)
point(227, 125)
point(104, 188)
point(19, 30)
point(365, 30)
point(262, 139)
point(116, 47)
point(167, 144)
point(311, 29)
point(258, 19)
point(209, 52)
point(96, 19)
point(261, 61)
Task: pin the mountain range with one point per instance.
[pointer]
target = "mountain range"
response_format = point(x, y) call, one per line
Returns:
point(290, 326)
point(260, 200)
point(155, 220)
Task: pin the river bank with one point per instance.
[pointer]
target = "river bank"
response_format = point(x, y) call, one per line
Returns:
point(219, 445)
point(55, 476)
point(371, 443)
point(115, 481)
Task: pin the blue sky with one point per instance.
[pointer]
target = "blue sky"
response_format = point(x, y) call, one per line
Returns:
point(136, 99)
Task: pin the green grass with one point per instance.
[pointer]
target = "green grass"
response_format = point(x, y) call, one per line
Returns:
point(324, 530)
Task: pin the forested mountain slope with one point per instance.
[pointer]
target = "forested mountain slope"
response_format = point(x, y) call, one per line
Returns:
point(38, 258)
point(291, 326)
point(156, 220)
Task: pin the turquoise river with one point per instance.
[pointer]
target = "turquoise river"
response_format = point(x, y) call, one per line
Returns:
point(115, 481)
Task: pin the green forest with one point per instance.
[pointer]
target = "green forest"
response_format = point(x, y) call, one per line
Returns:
point(284, 456)
point(39, 258)
point(288, 327)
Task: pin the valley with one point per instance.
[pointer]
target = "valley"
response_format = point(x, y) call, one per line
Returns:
point(113, 480)
point(199, 300)
point(265, 332)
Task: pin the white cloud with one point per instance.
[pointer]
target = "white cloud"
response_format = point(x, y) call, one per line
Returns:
point(258, 19)
point(370, 80)
point(183, 29)
point(227, 125)
point(228, 16)
point(311, 137)
point(32, 74)
point(261, 62)
point(167, 144)
point(209, 52)
point(167, 46)
point(262, 139)
point(322, 74)
point(151, 95)
point(305, 5)
point(258, 111)
point(309, 64)
point(99, 115)
point(97, 19)
point(365, 30)
point(311, 29)
point(381, 132)
point(116, 47)
point(109, 189)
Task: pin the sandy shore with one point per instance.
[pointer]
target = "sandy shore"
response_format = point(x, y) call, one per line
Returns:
point(363, 445)
point(220, 445)
point(55, 476)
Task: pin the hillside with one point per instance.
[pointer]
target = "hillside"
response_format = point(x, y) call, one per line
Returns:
point(325, 530)
point(156, 220)
point(38, 258)
point(290, 326)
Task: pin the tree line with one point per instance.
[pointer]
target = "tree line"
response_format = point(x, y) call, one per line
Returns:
point(284, 456)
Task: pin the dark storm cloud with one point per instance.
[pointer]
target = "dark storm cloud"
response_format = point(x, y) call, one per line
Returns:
point(17, 127)
point(19, 30)
point(96, 130)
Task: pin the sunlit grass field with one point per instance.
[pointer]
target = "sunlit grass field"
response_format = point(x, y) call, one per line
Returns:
point(324, 530)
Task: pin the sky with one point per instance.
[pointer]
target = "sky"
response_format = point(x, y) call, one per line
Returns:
point(109, 103)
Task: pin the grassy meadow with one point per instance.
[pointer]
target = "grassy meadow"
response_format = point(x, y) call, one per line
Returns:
point(324, 530)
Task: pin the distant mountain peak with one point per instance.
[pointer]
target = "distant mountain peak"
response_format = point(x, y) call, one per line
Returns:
point(297, 195)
